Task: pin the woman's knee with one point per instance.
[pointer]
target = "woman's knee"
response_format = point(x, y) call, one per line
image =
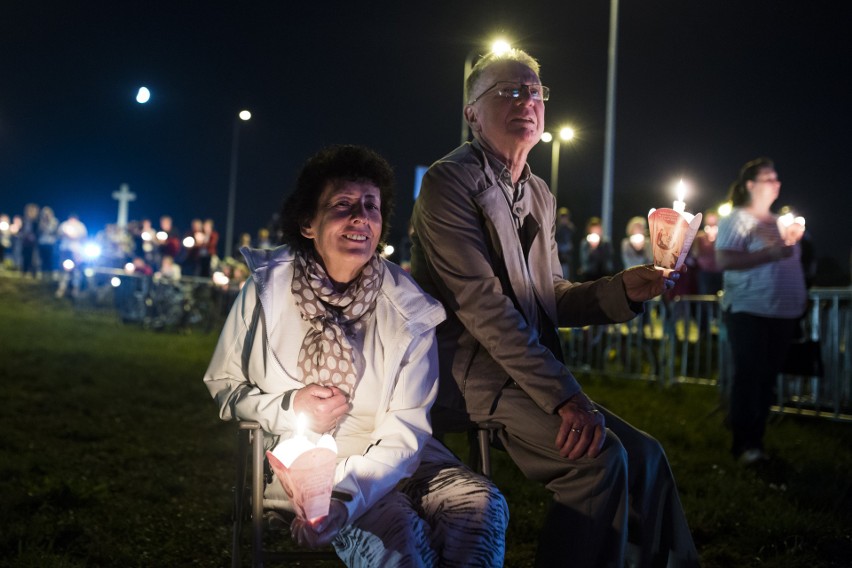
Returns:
point(489, 504)
point(389, 534)
point(468, 497)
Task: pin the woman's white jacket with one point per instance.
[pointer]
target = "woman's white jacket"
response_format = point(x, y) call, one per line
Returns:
point(249, 374)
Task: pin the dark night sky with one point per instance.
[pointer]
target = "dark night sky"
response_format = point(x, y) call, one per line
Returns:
point(702, 88)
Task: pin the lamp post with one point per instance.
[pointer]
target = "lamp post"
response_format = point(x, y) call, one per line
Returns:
point(497, 46)
point(609, 150)
point(243, 115)
point(566, 133)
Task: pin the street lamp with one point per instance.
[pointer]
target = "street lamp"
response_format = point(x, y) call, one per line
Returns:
point(566, 133)
point(498, 46)
point(243, 115)
point(609, 145)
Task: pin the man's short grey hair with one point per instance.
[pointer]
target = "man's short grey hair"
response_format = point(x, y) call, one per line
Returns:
point(490, 59)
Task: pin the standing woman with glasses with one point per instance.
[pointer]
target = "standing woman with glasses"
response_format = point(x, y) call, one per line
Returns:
point(763, 302)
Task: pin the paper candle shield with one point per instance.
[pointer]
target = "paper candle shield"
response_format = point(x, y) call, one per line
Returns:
point(308, 481)
point(672, 233)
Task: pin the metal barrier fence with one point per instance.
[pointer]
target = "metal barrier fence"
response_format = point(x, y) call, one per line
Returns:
point(685, 340)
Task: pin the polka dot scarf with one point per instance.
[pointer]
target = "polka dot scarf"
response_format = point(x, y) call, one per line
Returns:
point(326, 355)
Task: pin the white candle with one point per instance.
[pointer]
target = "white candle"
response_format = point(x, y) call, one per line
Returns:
point(288, 450)
point(791, 228)
point(680, 191)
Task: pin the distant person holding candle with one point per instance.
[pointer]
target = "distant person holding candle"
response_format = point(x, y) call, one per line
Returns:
point(636, 246)
point(763, 301)
point(595, 252)
point(795, 230)
point(704, 254)
point(484, 244)
point(565, 241)
point(328, 329)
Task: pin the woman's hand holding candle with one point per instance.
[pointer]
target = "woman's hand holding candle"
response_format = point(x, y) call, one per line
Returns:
point(324, 406)
point(322, 531)
point(792, 228)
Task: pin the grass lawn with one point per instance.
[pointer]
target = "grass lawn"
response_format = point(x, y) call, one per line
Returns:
point(112, 455)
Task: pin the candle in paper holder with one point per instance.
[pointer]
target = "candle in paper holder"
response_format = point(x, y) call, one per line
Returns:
point(672, 232)
point(637, 240)
point(306, 470)
point(792, 228)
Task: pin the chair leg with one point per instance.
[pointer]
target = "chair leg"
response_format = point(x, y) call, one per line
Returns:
point(257, 498)
point(484, 436)
point(239, 497)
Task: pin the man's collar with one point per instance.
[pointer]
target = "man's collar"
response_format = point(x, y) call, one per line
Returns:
point(500, 168)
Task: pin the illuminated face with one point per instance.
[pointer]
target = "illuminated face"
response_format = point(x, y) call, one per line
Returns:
point(346, 227)
point(507, 125)
point(765, 187)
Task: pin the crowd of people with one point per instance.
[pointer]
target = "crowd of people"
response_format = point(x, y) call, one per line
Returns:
point(596, 256)
point(37, 245)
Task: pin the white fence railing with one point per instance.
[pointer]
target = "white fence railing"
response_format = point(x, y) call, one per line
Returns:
point(191, 302)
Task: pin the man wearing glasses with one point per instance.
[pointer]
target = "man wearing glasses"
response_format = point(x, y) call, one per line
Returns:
point(484, 245)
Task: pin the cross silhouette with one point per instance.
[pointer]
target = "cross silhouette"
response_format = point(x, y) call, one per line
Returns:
point(124, 197)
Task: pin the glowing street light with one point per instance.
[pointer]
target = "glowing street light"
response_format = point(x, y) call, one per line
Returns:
point(243, 116)
point(498, 46)
point(566, 134)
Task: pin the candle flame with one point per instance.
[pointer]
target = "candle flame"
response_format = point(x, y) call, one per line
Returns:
point(680, 190)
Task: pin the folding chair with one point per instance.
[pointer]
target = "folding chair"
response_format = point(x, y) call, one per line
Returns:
point(251, 480)
point(252, 477)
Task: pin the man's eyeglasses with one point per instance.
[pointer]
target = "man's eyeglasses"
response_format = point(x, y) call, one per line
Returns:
point(509, 90)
